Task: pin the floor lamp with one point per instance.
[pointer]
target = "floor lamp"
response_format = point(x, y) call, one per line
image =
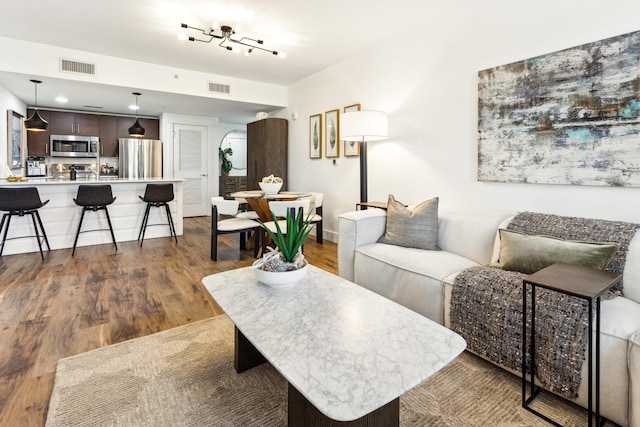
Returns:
point(363, 126)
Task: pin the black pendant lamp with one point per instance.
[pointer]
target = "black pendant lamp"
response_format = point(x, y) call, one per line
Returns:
point(36, 123)
point(136, 129)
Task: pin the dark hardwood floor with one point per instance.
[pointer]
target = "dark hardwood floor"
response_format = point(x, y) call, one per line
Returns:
point(63, 306)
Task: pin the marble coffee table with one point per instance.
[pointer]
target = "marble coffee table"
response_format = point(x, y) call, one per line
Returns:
point(347, 353)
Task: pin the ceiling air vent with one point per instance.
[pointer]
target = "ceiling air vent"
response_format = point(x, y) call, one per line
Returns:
point(78, 67)
point(219, 88)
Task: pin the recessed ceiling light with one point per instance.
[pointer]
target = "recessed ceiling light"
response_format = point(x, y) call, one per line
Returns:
point(62, 99)
point(133, 107)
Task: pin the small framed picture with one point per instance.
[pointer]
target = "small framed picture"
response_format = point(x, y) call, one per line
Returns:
point(315, 136)
point(351, 148)
point(332, 133)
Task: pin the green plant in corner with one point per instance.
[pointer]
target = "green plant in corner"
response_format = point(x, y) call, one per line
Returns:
point(288, 245)
point(226, 162)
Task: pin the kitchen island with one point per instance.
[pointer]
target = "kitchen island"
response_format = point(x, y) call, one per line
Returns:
point(61, 215)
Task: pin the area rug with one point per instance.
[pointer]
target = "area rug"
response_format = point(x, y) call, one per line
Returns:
point(185, 377)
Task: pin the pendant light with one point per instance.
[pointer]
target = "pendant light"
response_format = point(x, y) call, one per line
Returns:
point(35, 122)
point(136, 129)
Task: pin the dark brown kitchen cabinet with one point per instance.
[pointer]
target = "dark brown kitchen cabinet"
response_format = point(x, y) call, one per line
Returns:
point(108, 128)
point(151, 127)
point(108, 136)
point(67, 123)
point(267, 142)
point(38, 142)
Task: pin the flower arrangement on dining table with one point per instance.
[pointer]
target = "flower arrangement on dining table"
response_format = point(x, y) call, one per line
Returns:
point(271, 184)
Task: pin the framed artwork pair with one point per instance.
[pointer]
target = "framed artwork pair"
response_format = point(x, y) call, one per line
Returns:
point(331, 133)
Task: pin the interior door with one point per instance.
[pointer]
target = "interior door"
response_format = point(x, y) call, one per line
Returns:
point(190, 163)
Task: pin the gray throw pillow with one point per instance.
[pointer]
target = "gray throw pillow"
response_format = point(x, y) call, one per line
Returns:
point(415, 228)
point(528, 254)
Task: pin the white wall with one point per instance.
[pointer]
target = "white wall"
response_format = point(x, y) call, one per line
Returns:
point(427, 82)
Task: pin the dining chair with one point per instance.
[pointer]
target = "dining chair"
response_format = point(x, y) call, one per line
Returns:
point(279, 208)
point(248, 213)
point(220, 206)
point(316, 207)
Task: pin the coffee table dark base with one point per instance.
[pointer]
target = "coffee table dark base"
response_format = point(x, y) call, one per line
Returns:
point(245, 355)
point(301, 411)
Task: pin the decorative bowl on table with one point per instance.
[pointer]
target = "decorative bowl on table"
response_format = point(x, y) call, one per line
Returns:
point(270, 188)
point(278, 279)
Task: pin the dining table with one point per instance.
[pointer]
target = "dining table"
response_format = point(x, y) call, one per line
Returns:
point(259, 201)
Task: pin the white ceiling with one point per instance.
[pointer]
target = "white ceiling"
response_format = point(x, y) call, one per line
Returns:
point(314, 35)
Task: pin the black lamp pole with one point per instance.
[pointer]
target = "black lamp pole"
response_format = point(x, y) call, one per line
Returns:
point(363, 170)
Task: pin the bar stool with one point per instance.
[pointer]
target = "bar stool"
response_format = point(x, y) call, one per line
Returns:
point(94, 198)
point(19, 201)
point(157, 195)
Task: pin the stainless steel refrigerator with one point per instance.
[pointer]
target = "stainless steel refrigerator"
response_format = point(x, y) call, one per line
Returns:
point(139, 158)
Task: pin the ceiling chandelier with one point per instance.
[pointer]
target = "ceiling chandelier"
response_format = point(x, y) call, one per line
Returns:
point(227, 42)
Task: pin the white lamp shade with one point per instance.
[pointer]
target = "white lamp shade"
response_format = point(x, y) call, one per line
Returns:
point(364, 126)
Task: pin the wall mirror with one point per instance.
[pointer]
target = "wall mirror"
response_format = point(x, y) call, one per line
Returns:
point(16, 140)
point(236, 140)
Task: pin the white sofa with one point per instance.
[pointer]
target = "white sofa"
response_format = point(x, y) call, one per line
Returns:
point(422, 280)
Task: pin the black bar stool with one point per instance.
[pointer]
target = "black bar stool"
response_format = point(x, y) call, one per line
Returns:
point(157, 195)
point(94, 198)
point(19, 201)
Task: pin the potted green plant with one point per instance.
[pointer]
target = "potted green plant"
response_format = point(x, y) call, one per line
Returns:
point(226, 162)
point(285, 264)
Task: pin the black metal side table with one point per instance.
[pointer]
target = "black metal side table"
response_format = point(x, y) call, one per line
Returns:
point(582, 282)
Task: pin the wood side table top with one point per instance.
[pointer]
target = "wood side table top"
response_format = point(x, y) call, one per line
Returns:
point(379, 205)
point(576, 280)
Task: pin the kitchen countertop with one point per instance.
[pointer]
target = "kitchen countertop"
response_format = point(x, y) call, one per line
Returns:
point(61, 216)
point(67, 181)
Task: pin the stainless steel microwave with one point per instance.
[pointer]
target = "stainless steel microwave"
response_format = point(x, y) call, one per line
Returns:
point(74, 146)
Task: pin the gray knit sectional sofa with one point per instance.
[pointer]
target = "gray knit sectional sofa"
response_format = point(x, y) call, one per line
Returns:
point(462, 284)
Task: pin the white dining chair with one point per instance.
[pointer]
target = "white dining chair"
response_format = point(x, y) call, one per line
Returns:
point(316, 208)
point(249, 213)
point(220, 206)
point(279, 208)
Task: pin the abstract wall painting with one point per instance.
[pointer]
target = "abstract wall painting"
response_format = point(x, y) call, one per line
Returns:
point(568, 117)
